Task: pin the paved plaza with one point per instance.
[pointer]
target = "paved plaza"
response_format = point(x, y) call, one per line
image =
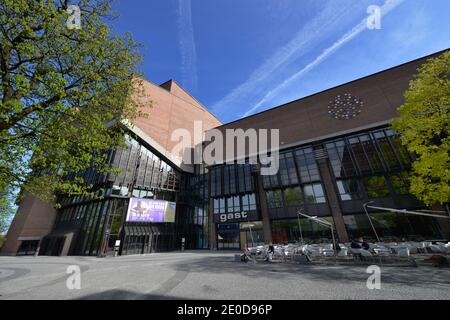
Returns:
point(209, 275)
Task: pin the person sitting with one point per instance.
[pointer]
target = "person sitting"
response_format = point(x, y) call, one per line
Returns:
point(365, 245)
point(246, 255)
point(355, 244)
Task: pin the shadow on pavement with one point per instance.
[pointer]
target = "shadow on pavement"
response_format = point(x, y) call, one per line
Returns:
point(409, 276)
point(118, 294)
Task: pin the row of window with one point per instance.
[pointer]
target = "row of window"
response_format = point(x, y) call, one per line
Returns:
point(99, 193)
point(374, 186)
point(74, 213)
point(91, 217)
point(197, 190)
point(295, 196)
point(231, 179)
point(93, 225)
point(301, 229)
point(235, 204)
point(91, 176)
point(141, 167)
point(391, 227)
point(296, 166)
point(369, 153)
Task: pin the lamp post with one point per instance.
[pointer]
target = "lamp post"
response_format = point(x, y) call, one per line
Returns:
point(251, 232)
point(321, 222)
point(370, 220)
point(299, 226)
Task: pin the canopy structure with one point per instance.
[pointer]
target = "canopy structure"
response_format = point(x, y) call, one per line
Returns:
point(424, 213)
point(319, 221)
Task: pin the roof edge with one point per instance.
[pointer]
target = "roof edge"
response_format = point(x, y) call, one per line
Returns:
point(338, 86)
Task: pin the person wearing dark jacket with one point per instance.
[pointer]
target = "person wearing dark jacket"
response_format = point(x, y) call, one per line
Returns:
point(355, 244)
point(360, 244)
point(365, 245)
point(270, 253)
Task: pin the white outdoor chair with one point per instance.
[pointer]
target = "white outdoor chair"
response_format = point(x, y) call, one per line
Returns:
point(446, 248)
point(435, 248)
point(365, 253)
point(404, 253)
point(328, 253)
point(343, 252)
point(413, 247)
point(382, 251)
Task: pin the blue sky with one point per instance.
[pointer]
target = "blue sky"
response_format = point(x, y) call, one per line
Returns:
point(240, 57)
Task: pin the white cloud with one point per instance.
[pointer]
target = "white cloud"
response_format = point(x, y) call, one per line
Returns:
point(187, 45)
point(388, 6)
point(320, 26)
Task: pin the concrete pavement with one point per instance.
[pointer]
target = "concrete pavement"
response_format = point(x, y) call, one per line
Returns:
point(208, 275)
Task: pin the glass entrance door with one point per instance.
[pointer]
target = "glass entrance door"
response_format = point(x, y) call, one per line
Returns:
point(228, 236)
point(237, 236)
point(252, 234)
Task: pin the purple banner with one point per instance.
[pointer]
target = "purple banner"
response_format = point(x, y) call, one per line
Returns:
point(149, 210)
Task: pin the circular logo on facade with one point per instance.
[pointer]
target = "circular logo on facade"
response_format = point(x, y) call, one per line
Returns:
point(345, 107)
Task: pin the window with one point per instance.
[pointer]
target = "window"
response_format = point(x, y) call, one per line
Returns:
point(387, 152)
point(307, 165)
point(226, 180)
point(216, 181)
point(371, 152)
point(274, 199)
point(314, 193)
point(400, 183)
point(241, 178)
point(335, 160)
point(213, 183)
point(288, 173)
point(266, 182)
point(360, 156)
point(293, 197)
point(156, 173)
point(349, 189)
point(219, 206)
point(376, 187)
point(248, 178)
point(274, 182)
point(248, 202)
point(80, 213)
point(229, 179)
point(233, 205)
point(401, 151)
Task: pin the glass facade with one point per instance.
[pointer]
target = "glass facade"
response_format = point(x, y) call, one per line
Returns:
point(142, 169)
point(97, 222)
point(373, 166)
point(197, 196)
point(367, 166)
point(298, 181)
point(391, 227)
point(370, 165)
point(232, 189)
point(294, 230)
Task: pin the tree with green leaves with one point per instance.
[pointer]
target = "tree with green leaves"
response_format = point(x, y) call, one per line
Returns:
point(64, 79)
point(424, 126)
point(7, 210)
